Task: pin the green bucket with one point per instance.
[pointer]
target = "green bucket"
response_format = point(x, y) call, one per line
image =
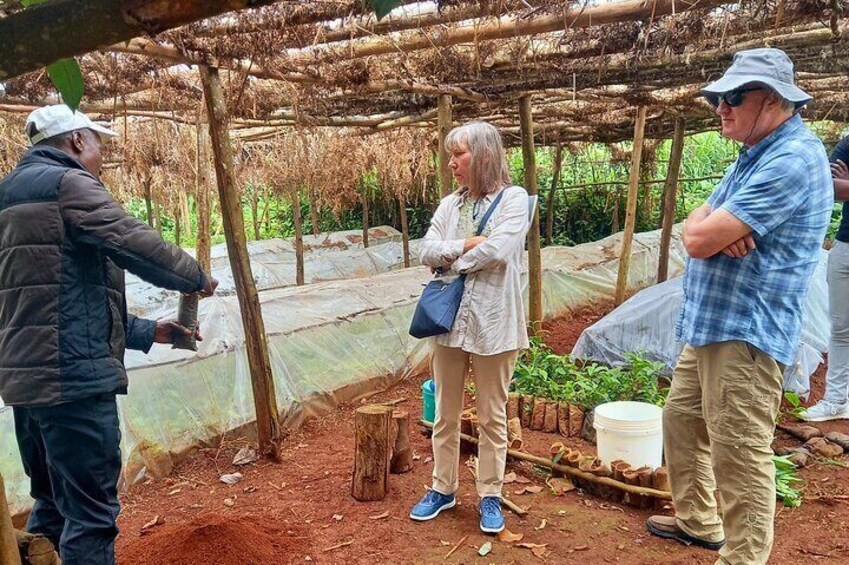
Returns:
point(429, 401)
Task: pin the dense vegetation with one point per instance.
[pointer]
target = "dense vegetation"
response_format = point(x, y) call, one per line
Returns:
point(589, 200)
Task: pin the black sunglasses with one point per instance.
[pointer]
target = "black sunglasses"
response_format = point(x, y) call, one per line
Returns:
point(733, 97)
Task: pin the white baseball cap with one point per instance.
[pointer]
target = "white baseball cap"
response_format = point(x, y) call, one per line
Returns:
point(58, 119)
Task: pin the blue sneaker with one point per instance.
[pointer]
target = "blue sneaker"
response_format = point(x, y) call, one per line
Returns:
point(492, 520)
point(431, 505)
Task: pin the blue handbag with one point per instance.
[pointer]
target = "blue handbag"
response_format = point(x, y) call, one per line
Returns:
point(440, 300)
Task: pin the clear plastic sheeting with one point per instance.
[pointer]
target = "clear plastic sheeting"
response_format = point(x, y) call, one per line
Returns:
point(329, 343)
point(647, 321)
point(331, 256)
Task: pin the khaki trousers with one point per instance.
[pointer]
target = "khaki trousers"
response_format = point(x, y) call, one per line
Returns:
point(718, 424)
point(449, 367)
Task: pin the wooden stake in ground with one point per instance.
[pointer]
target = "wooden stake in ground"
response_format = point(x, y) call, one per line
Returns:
point(534, 256)
point(204, 181)
point(364, 199)
point(631, 211)
point(299, 238)
point(555, 181)
point(670, 194)
point(256, 345)
point(402, 452)
point(405, 230)
point(372, 454)
point(8, 543)
point(445, 123)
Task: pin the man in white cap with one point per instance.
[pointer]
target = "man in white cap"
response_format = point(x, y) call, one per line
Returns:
point(753, 247)
point(64, 326)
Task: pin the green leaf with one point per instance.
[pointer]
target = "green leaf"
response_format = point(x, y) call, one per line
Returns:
point(383, 7)
point(28, 3)
point(68, 79)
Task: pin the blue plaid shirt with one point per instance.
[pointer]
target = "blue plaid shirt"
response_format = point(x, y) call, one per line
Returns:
point(781, 188)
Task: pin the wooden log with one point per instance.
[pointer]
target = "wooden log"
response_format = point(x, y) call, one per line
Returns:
point(256, 344)
point(373, 452)
point(563, 419)
point(445, 123)
point(534, 253)
point(9, 554)
point(405, 231)
point(202, 198)
point(299, 238)
point(513, 399)
point(670, 195)
point(538, 414)
point(631, 211)
point(555, 181)
point(551, 413)
point(514, 433)
point(402, 451)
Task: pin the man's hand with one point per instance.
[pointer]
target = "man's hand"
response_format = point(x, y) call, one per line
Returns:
point(209, 286)
point(167, 330)
point(473, 242)
point(741, 247)
point(839, 170)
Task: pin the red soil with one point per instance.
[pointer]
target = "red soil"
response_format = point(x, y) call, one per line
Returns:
point(301, 511)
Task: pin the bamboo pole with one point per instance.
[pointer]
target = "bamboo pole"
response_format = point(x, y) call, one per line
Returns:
point(405, 230)
point(299, 238)
point(670, 194)
point(364, 199)
point(534, 255)
point(9, 554)
point(445, 123)
point(571, 471)
point(631, 210)
point(256, 345)
point(555, 180)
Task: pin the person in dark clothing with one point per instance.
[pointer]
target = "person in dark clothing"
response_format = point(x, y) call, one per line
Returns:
point(835, 402)
point(64, 326)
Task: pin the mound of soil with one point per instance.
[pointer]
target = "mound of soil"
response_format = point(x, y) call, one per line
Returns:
point(214, 540)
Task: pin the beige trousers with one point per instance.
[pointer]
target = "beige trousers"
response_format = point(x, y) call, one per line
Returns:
point(449, 367)
point(718, 424)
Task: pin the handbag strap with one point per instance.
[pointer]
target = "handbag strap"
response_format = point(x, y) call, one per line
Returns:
point(489, 212)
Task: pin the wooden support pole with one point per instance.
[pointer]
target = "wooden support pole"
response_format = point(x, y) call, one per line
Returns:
point(555, 181)
point(534, 255)
point(631, 210)
point(9, 554)
point(313, 211)
point(256, 344)
point(445, 122)
point(405, 230)
point(373, 450)
point(299, 238)
point(203, 246)
point(364, 198)
point(670, 195)
point(571, 471)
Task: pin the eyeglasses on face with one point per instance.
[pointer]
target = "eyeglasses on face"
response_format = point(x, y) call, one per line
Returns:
point(733, 97)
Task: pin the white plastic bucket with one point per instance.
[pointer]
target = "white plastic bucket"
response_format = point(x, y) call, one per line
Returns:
point(630, 431)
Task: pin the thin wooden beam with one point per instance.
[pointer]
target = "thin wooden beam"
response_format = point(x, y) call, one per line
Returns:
point(445, 123)
point(534, 254)
point(9, 554)
point(631, 210)
point(670, 195)
point(405, 230)
point(555, 180)
point(256, 344)
point(203, 244)
point(299, 238)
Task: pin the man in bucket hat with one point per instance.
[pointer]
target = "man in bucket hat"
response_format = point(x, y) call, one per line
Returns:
point(64, 326)
point(753, 247)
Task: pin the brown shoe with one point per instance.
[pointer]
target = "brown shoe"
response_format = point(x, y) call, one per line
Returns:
point(667, 527)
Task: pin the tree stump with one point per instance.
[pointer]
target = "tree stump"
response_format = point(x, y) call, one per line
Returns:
point(373, 452)
point(9, 554)
point(402, 452)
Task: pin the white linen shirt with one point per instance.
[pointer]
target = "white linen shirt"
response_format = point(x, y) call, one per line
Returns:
point(491, 317)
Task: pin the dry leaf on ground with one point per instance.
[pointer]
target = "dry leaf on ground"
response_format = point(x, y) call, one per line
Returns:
point(560, 485)
point(522, 480)
point(509, 478)
point(507, 536)
point(245, 455)
point(155, 522)
point(538, 549)
point(533, 489)
point(542, 525)
point(380, 516)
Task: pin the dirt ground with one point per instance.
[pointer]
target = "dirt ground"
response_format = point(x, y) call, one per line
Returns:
point(301, 511)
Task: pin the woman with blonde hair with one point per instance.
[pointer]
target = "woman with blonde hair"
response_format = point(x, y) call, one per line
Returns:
point(490, 327)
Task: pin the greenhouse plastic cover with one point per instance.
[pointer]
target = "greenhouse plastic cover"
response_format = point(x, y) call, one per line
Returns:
point(647, 321)
point(329, 343)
